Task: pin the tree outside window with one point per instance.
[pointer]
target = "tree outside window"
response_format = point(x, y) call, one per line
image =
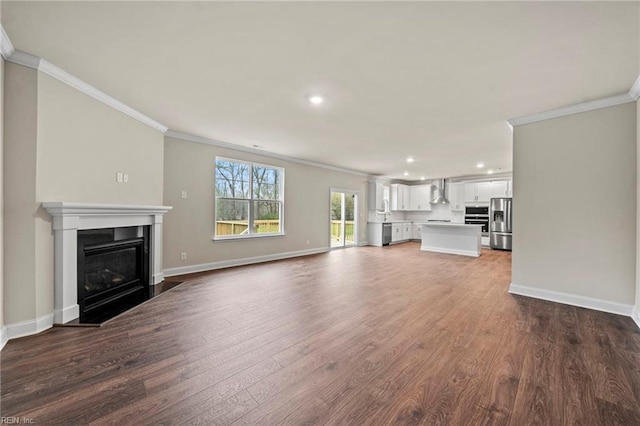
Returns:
point(249, 198)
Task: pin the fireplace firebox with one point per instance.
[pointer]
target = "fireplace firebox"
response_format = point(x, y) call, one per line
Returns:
point(113, 271)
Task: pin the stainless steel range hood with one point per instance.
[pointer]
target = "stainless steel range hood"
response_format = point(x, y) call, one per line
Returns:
point(440, 194)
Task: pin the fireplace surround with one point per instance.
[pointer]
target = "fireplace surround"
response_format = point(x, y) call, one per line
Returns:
point(69, 218)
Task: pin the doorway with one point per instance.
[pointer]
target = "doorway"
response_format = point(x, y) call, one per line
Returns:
point(343, 218)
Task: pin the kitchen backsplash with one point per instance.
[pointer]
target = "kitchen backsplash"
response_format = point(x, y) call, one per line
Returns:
point(438, 212)
point(376, 217)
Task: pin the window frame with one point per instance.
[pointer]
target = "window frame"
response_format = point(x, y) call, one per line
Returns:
point(251, 200)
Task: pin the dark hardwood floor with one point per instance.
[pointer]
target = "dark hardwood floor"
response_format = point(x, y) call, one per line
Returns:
point(358, 336)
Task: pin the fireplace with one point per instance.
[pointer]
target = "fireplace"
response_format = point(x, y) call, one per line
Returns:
point(100, 228)
point(113, 271)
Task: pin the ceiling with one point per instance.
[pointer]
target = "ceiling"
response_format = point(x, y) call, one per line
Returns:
point(435, 81)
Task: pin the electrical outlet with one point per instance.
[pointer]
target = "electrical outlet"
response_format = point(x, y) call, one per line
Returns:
point(183, 194)
point(125, 178)
point(183, 255)
point(119, 177)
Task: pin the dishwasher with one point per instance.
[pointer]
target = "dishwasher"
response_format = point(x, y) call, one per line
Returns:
point(386, 234)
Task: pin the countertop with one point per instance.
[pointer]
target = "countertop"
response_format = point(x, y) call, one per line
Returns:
point(391, 221)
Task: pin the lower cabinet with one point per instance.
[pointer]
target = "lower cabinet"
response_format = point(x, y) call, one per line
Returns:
point(396, 232)
point(417, 233)
point(407, 231)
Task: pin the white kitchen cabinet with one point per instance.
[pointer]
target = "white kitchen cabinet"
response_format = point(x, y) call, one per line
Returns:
point(477, 192)
point(499, 188)
point(378, 196)
point(396, 232)
point(400, 197)
point(456, 197)
point(374, 234)
point(417, 233)
point(420, 197)
point(484, 191)
point(407, 231)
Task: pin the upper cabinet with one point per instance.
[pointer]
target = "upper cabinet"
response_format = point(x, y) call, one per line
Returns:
point(477, 192)
point(399, 197)
point(378, 196)
point(483, 192)
point(499, 189)
point(456, 196)
point(411, 198)
point(420, 197)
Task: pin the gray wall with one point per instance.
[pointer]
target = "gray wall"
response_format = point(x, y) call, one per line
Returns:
point(19, 175)
point(575, 204)
point(62, 145)
point(637, 306)
point(189, 227)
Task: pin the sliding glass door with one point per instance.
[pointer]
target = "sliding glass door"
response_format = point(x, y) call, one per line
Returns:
point(343, 218)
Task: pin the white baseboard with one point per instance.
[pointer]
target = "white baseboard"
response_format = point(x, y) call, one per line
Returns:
point(636, 315)
point(239, 262)
point(573, 299)
point(363, 243)
point(63, 316)
point(3, 337)
point(158, 278)
point(29, 327)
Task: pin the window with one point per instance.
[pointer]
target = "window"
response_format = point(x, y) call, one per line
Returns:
point(249, 199)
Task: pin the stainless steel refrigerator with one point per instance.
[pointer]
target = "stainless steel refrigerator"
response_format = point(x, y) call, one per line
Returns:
point(500, 229)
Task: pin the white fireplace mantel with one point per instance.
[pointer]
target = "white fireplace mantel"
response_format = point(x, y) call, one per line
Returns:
point(68, 218)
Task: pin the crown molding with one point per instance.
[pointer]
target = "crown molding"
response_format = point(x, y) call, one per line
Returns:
point(634, 92)
point(6, 48)
point(35, 62)
point(84, 87)
point(24, 59)
point(573, 109)
point(199, 139)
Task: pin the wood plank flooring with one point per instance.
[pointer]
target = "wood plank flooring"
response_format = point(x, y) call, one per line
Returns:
point(362, 336)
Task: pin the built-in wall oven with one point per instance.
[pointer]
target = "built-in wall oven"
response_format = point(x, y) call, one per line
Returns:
point(478, 216)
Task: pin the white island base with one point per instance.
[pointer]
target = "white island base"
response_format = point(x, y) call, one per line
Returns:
point(452, 238)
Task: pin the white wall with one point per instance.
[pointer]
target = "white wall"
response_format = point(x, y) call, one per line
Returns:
point(575, 204)
point(62, 145)
point(189, 227)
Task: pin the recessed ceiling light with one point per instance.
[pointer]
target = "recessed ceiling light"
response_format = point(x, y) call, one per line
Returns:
point(489, 172)
point(410, 160)
point(480, 165)
point(316, 99)
point(406, 173)
point(422, 178)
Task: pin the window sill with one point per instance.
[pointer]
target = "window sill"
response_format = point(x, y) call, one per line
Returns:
point(246, 237)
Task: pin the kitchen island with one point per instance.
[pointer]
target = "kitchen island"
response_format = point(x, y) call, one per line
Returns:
point(452, 238)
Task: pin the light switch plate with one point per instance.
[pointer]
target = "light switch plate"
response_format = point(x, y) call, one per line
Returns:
point(125, 178)
point(119, 177)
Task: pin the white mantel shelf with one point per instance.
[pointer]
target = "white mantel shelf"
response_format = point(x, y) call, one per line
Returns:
point(68, 218)
point(61, 208)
